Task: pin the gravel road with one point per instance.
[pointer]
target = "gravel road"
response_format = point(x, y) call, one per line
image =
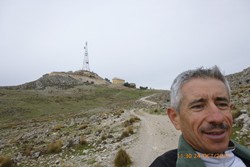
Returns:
point(156, 136)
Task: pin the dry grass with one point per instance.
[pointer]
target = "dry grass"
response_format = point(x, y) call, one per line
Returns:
point(104, 137)
point(57, 127)
point(55, 147)
point(83, 140)
point(131, 121)
point(119, 112)
point(39, 104)
point(130, 130)
point(122, 159)
point(83, 126)
point(27, 150)
point(236, 113)
point(134, 119)
point(6, 161)
point(124, 134)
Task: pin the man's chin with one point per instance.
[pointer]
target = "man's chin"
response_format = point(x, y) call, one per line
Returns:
point(216, 147)
point(216, 144)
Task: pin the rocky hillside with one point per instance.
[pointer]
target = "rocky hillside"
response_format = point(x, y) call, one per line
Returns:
point(83, 126)
point(239, 79)
point(65, 80)
point(240, 85)
point(77, 141)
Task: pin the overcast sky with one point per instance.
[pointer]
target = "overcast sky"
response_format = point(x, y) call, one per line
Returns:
point(147, 42)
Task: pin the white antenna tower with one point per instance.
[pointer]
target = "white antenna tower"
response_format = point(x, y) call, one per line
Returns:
point(86, 59)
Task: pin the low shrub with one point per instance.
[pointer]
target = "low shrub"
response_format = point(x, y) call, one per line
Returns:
point(235, 113)
point(6, 161)
point(104, 137)
point(131, 121)
point(83, 126)
point(55, 146)
point(27, 150)
point(130, 130)
point(57, 127)
point(119, 112)
point(124, 134)
point(134, 119)
point(83, 141)
point(122, 159)
point(156, 110)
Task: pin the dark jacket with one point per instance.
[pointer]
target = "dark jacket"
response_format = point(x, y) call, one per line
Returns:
point(186, 156)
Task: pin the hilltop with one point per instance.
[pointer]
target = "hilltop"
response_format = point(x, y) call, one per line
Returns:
point(65, 80)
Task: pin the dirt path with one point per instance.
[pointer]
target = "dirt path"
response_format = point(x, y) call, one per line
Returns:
point(156, 136)
point(144, 99)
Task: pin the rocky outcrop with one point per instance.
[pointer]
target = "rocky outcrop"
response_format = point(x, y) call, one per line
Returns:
point(243, 120)
point(65, 80)
point(240, 79)
point(240, 86)
point(243, 123)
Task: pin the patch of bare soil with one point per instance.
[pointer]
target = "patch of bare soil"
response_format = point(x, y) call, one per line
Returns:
point(156, 136)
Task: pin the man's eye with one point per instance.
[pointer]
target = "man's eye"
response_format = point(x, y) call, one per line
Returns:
point(223, 105)
point(197, 107)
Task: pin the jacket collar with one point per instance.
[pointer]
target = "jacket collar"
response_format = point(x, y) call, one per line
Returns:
point(186, 155)
point(241, 151)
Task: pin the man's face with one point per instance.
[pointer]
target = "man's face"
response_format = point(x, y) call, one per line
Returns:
point(205, 117)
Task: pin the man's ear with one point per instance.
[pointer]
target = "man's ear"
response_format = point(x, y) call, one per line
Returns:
point(174, 117)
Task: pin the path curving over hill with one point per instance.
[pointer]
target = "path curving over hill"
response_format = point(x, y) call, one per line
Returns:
point(156, 136)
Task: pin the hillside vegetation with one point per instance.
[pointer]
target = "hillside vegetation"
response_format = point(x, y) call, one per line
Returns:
point(80, 119)
point(22, 105)
point(82, 125)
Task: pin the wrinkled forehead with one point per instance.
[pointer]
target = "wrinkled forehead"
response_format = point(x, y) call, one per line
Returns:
point(204, 88)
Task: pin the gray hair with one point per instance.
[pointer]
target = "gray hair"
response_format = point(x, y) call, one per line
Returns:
point(176, 94)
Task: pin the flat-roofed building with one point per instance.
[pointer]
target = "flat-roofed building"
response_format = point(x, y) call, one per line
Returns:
point(118, 81)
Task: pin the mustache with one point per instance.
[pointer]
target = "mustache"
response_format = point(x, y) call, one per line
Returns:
point(209, 127)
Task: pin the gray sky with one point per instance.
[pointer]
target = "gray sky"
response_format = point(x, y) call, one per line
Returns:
point(147, 42)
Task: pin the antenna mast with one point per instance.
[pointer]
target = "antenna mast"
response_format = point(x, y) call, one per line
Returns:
point(86, 58)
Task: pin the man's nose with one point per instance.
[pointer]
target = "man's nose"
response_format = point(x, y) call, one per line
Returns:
point(215, 114)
